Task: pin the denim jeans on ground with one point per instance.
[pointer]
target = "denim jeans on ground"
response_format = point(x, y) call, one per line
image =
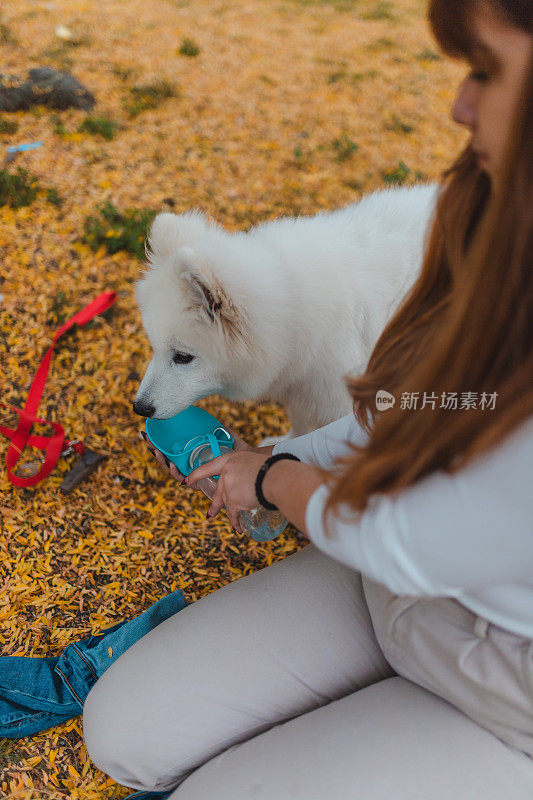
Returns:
point(37, 693)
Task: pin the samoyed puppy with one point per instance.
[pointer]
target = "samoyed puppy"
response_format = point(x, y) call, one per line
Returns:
point(283, 312)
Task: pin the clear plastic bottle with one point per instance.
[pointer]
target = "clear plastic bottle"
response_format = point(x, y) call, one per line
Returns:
point(261, 523)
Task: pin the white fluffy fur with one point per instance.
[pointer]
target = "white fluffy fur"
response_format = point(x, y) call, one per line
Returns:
point(283, 312)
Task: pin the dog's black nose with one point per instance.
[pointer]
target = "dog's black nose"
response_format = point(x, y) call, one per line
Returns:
point(143, 409)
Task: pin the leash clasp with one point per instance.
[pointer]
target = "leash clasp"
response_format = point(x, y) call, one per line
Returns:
point(70, 447)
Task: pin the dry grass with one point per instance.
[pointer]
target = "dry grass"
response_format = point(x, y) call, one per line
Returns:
point(288, 108)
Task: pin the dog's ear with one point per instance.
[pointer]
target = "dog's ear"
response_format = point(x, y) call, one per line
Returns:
point(202, 297)
point(207, 295)
point(161, 237)
point(170, 231)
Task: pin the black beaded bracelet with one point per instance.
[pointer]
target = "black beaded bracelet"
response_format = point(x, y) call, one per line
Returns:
point(261, 474)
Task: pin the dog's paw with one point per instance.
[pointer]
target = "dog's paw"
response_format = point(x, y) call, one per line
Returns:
point(270, 440)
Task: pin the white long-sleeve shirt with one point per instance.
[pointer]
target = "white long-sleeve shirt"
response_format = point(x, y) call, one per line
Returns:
point(468, 535)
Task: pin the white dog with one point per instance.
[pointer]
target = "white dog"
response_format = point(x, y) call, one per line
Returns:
point(282, 312)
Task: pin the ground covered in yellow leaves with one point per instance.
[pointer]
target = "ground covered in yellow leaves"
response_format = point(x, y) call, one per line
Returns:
point(272, 107)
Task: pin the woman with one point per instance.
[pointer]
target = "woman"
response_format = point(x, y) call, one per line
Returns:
point(396, 650)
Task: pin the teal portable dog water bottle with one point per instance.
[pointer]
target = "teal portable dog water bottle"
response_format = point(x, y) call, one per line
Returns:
point(192, 438)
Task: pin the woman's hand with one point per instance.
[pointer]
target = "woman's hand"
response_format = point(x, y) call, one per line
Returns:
point(236, 485)
point(163, 460)
point(240, 446)
point(290, 487)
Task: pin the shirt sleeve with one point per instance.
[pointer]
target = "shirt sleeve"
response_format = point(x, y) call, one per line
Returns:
point(323, 446)
point(444, 534)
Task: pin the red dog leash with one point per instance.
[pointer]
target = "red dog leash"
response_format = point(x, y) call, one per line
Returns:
point(54, 446)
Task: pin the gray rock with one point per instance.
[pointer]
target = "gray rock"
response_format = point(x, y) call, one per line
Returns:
point(43, 86)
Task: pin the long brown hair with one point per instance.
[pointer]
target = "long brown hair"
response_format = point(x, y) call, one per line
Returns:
point(466, 326)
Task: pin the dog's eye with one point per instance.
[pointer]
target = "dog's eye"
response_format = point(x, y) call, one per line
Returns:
point(182, 358)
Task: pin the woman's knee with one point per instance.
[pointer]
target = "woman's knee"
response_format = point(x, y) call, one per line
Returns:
point(118, 740)
point(106, 736)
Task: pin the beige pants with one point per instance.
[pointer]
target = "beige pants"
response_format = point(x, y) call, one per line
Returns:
point(276, 687)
